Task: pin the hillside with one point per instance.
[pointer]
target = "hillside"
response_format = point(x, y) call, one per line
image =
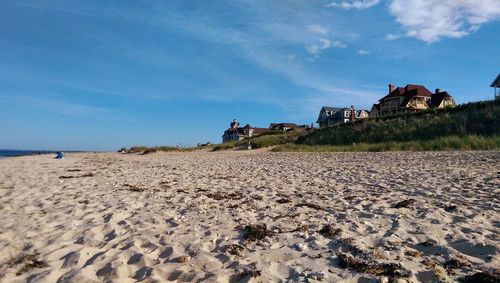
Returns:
point(472, 119)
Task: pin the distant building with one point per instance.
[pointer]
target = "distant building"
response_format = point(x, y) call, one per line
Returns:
point(329, 116)
point(362, 114)
point(411, 98)
point(496, 84)
point(282, 126)
point(237, 133)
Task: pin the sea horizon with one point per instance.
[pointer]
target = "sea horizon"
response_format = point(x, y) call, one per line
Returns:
point(23, 152)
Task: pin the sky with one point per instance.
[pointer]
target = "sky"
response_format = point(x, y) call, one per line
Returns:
point(101, 75)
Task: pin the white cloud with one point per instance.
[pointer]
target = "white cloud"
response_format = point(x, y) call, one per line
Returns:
point(317, 29)
point(431, 20)
point(354, 4)
point(363, 52)
point(323, 44)
point(392, 36)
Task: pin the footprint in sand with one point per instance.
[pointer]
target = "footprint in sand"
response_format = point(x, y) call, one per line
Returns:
point(134, 259)
point(70, 259)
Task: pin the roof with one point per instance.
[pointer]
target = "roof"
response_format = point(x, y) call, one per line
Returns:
point(272, 125)
point(329, 108)
point(336, 111)
point(241, 130)
point(258, 131)
point(437, 98)
point(496, 82)
point(408, 91)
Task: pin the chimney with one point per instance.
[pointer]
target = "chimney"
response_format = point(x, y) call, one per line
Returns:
point(391, 88)
point(352, 115)
point(234, 124)
point(438, 90)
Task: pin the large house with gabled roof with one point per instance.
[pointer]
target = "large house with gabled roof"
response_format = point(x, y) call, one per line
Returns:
point(496, 84)
point(329, 116)
point(411, 98)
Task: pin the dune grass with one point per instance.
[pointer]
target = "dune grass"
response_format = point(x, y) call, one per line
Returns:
point(149, 149)
point(479, 118)
point(267, 139)
point(471, 142)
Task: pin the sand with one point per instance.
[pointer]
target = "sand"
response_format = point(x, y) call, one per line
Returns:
point(331, 217)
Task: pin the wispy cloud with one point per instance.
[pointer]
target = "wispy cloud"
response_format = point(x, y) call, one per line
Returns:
point(323, 44)
point(391, 36)
point(363, 52)
point(264, 50)
point(318, 29)
point(432, 20)
point(353, 4)
point(266, 41)
point(60, 106)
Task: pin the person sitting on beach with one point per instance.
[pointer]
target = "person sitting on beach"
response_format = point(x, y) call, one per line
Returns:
point(60, 155)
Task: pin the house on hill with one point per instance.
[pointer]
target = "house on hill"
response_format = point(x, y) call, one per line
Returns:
point(282, 126)
point(496, 84)
point(411, 98)
point(329, 116)
point(237, 133)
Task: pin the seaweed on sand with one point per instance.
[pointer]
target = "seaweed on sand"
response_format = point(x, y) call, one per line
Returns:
point(234, 249)
point(310, 205)
point(29, 262)
point(405, 203)
point(134, 188)
point(329, 231)
point(256, 232)
point(222, 196)
point(386, 269)
point(482, 277)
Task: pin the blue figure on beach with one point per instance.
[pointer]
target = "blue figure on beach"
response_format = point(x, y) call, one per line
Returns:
point(60, 155)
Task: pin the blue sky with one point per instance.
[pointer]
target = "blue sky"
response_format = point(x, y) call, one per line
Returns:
point(99, 75)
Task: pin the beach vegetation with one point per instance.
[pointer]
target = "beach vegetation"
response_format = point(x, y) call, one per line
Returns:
point(472, 119)
point(438, 144)
point(148, 150)
point(271, 138)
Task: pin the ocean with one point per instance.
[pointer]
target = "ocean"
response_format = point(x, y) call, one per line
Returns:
point(10, 152)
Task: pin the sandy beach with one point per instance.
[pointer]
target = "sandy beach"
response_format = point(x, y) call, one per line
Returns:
point(250, 216)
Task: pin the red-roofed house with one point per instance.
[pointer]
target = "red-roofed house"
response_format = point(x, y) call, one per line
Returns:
point(282, 126)
point(411, 98)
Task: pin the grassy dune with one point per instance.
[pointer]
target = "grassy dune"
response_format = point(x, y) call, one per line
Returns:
point(147, 150)
point(472, 126)
point(473, 119)
point(265, 140)
point(438, 144)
